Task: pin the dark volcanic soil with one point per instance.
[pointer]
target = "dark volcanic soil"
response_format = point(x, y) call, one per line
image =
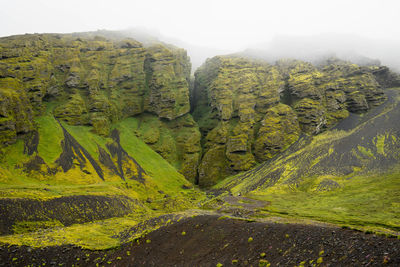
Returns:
point(208, 240)
point(67, 210)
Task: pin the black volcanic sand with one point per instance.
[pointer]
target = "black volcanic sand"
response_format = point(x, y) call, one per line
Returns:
point(207, 240)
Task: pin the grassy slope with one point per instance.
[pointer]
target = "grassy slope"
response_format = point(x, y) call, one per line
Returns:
point(162, 172)
point(163, 177)
point(371, 202)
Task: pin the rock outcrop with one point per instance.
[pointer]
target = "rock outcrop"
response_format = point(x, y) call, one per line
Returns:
point(240, 111)
point(93, 81)
point(248, 111)
point(231, 98)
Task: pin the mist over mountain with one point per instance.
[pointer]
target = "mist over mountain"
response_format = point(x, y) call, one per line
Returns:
point(200, 133)
point(313, 48)
point(197, 53)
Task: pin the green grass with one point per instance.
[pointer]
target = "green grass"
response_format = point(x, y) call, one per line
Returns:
point(94, 235)
point(50, 136)
point(88, 139)
point(372, 202)
point(15, 183)
point(97, 235)
point(162, 172)
point(100, 234)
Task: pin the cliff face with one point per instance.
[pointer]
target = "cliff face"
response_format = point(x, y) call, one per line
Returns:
point(92, 81)
point(231, 97)
point(241, 111)
point(248, 111)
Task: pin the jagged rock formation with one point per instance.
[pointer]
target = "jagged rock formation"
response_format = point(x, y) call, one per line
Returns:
point(94, 81)
point(249, 110)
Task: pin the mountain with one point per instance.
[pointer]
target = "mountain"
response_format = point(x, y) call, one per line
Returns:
point(249, 110)
point(71, 109)
point(238, 112)
point(349, 174)
point(107, 142)
point(97, 82)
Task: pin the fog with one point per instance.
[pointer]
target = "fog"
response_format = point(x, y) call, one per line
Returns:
point(284, 28)
point(314, 48)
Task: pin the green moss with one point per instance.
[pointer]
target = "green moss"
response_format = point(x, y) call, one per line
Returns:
point(28, 226)
point(363, 201)
point(50, 136)
point(177, 141)
point(365, 151)
point(278, 130)
point(163, 173)
point(264, 263)
point(230, 96)
point(380, 144)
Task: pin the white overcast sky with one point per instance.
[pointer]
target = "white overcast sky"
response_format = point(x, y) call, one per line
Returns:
point(226, 24)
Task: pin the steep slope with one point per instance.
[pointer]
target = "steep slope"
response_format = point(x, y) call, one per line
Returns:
point(348, 174)
point(249, 111)
point(120, 175)
point(359, 144)
point(70, 108)
point(96, 82)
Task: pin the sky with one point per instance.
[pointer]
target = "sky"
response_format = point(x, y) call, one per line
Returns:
point(222, 24)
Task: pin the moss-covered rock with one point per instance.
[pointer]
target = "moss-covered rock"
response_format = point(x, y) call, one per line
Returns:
point(16, 112)
point(230, 97)
point(324, 95)
point(278, 130)
point(97, 81)
point(236, 104)
point(245, 111)
point(167, 75)
point(178, 141)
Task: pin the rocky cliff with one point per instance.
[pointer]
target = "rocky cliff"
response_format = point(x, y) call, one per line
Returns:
point(97, 82)
point(248, 111)
point(238, 112)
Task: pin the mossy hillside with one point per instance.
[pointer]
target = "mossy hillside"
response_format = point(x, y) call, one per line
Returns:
point(369, 203)
point(160, 176)
point(177, 141)
point(95, 81)
point(235, 102)
point(97, 70)
point(324, 95)
point(160, 188)
point(149, 159)
point(338, 176)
